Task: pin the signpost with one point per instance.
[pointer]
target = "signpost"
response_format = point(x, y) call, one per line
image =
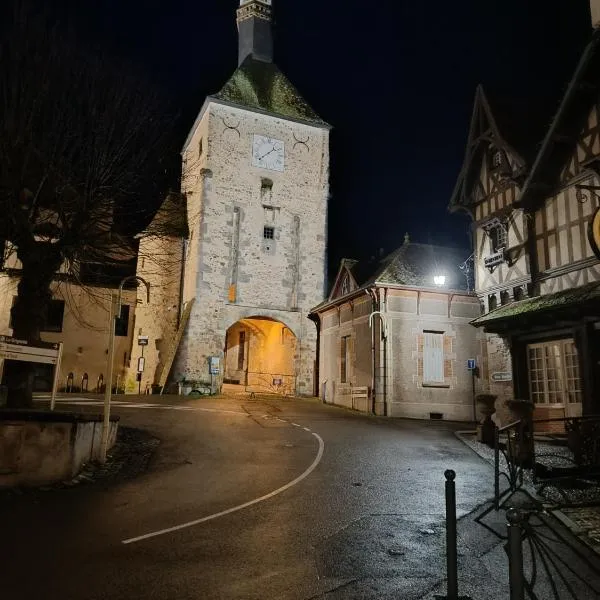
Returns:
point(472, 366)
point(36, 352)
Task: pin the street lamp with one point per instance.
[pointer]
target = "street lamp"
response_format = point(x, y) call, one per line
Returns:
point(114, 313)
point(439, 279)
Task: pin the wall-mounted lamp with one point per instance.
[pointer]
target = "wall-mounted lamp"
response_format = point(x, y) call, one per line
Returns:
point(439, 279)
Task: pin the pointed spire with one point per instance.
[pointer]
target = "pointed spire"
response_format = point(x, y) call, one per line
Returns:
point(255, 30)
point(406, 238)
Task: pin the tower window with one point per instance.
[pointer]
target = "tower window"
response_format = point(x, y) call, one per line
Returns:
point(266, 190)
point(200, 147)
point(268, 233)
point(492, 302)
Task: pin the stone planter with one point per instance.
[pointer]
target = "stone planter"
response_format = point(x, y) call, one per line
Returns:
point(486, 428)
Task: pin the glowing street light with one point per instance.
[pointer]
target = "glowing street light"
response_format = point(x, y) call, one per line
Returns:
point(439, 279)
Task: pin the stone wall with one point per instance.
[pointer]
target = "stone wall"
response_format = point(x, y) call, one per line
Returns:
point(399, 387)
point(231, 269)
point(43, 448)
point(159, 263)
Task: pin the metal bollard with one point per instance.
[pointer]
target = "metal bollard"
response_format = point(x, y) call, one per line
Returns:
point(451, 552)
point(515, 553)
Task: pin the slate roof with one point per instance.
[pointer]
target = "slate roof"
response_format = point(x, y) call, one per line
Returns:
point(170, 219)
point(415, 264)
point(582, 297)
point(262, 86)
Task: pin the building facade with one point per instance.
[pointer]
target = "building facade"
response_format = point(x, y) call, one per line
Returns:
point(256, 181)
point(532, 192)
point(395, 336)
point(78, 316)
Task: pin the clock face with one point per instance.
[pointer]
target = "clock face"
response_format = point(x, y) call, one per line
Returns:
point(268, 153)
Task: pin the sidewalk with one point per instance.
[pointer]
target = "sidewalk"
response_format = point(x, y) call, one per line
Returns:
point(562, 554)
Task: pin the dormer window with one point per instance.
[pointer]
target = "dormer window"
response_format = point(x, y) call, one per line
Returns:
point(496, 159)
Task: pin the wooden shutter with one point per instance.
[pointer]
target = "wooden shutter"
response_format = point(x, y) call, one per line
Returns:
point(433, 358)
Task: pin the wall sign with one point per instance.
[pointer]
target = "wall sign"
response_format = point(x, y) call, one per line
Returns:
point(214, 365)
point(594, 233)
point(471, 364)
point(502, 376)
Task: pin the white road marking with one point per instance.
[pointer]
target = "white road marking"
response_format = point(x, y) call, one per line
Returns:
point(306, 429)
point(287, 486)
point(121, 404)
point(296, 425)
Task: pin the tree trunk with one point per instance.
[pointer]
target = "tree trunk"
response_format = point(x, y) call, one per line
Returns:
point(29, 311)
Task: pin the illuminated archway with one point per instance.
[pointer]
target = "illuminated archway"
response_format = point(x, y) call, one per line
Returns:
point(260, 355)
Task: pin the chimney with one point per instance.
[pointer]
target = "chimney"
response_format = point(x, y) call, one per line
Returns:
point(595, 10)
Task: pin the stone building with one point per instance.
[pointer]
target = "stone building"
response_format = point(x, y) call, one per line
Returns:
point(532, 192)
point(78, 316)
point(395, 337)
point(256, 183)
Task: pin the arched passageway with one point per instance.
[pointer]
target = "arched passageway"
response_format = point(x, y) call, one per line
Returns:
point(260, 356)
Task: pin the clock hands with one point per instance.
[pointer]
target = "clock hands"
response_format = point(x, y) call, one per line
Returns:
point(267, 154)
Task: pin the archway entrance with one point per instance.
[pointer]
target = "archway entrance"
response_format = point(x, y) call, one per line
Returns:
point(260, 356)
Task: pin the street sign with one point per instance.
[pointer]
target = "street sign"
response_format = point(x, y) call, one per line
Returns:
point(502, 376)
point(142, 340)
point(141, 364)
point(471, 364)
point(37, 352)
point(214, 365)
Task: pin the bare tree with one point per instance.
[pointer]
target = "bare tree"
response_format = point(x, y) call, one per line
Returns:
point(85, 146)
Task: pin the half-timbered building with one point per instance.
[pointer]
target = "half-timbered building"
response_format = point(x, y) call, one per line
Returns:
point(534, 199)
point(395, 338)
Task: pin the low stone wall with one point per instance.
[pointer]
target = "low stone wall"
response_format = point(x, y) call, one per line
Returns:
point(40, 447)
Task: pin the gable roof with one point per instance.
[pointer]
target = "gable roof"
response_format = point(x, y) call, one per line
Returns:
point(561, 139)
point(411, 265)
point(260, 85)
point(498, 121)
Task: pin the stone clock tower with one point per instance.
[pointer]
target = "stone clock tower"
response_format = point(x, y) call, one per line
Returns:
point(256, 179)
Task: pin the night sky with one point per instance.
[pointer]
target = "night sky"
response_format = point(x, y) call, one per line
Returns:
point(395, 79)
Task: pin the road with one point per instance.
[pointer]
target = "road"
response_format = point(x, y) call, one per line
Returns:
point(249, 499)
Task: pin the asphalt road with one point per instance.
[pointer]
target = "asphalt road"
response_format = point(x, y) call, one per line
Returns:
point(277, 499)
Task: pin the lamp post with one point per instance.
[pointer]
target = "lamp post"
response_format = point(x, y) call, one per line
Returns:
point(114, 312)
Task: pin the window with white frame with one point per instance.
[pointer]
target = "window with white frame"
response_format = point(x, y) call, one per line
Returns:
point(554, 372)
point(433, 357)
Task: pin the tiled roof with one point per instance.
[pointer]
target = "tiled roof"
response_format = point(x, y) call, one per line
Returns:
point(261, 85)
point(415, 264)
point(583, 295)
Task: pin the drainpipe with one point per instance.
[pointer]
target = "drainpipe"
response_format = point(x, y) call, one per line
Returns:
point(384, 324)
point(371, 295)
